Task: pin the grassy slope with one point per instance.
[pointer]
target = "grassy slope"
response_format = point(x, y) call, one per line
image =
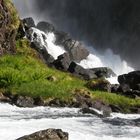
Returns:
point(25, 74)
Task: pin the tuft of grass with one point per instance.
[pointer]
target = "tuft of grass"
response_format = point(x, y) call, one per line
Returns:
point(25, 75)
point(121, 101)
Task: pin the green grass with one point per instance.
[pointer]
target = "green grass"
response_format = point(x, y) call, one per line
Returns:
point(25, 74)
point(22, 74)
point(121, 101)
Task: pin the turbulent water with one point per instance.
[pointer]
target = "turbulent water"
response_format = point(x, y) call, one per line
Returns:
point(16, 122)
point(94, 60)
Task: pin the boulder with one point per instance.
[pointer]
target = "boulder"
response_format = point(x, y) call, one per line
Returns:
point(38, 43)
point(91, 111)
point(103, 72)
point(81, 72)
point(115, 88)
point(132, 79)
point(82, 99)
point(63, 61)
point(76, 49)
point(28, 23)
point(45, 26)
point(61, 37)
point(49, 134)
point(99, 84)
point(23, 101)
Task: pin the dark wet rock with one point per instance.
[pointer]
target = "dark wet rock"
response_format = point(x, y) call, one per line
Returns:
point(81, 72)
point(115, 88)
point(21, 32)
point(135, 110)
point(62, 62)
point(124, 88)
point(28, 23)
point(45, 26)
point(91, 111)
point(77, 51)
point(49, 134)
point(103, 72)
point(121, 121)
point(115, 108)
point(132, 94)
point(57, 103)
point(99, 84)
point(61, 37)
point(23, 101)
point(49, 59)
point(132, 79)
point(106, 111)
point(38, 101)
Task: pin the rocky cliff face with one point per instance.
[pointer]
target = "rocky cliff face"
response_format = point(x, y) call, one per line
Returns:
point(9, 23)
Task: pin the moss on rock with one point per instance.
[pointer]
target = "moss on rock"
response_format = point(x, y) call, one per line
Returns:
point(9, 23)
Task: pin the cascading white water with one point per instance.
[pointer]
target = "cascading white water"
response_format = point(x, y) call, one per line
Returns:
point(47, 40)
point(95, 59)
point(16, 122)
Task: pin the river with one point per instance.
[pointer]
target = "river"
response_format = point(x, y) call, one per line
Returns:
point(16, 122)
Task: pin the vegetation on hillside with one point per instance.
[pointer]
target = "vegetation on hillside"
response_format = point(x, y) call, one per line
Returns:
point(25, 74)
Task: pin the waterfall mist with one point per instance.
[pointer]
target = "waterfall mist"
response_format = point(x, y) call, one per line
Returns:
point(101, 23)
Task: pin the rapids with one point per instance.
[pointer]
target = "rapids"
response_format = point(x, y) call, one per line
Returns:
point(16, 122)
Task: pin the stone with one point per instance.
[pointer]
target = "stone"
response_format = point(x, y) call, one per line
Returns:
point(63, 61)
point(103, 72)
point(79, 71)
point(91, 111)
point(99, 84)
point(23, 101)
point(132, 79)
point(49, 134)
point(28, 23)
point(77, 51)
point(115, 88)
point(45, 26)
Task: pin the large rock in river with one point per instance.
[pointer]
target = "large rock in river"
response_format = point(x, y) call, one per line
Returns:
point(49, 134)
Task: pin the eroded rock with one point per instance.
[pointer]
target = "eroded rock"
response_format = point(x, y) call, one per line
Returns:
point(49, 134)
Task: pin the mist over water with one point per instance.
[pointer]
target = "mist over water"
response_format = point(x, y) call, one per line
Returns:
point(102, 23)
point(92, 22)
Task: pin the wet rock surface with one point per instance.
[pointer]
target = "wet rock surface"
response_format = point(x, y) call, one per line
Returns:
point(121, 121)
point(49, 134)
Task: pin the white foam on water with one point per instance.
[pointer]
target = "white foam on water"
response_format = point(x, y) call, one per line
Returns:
point(16, 122)
point(47, 40)
point(106, 59)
